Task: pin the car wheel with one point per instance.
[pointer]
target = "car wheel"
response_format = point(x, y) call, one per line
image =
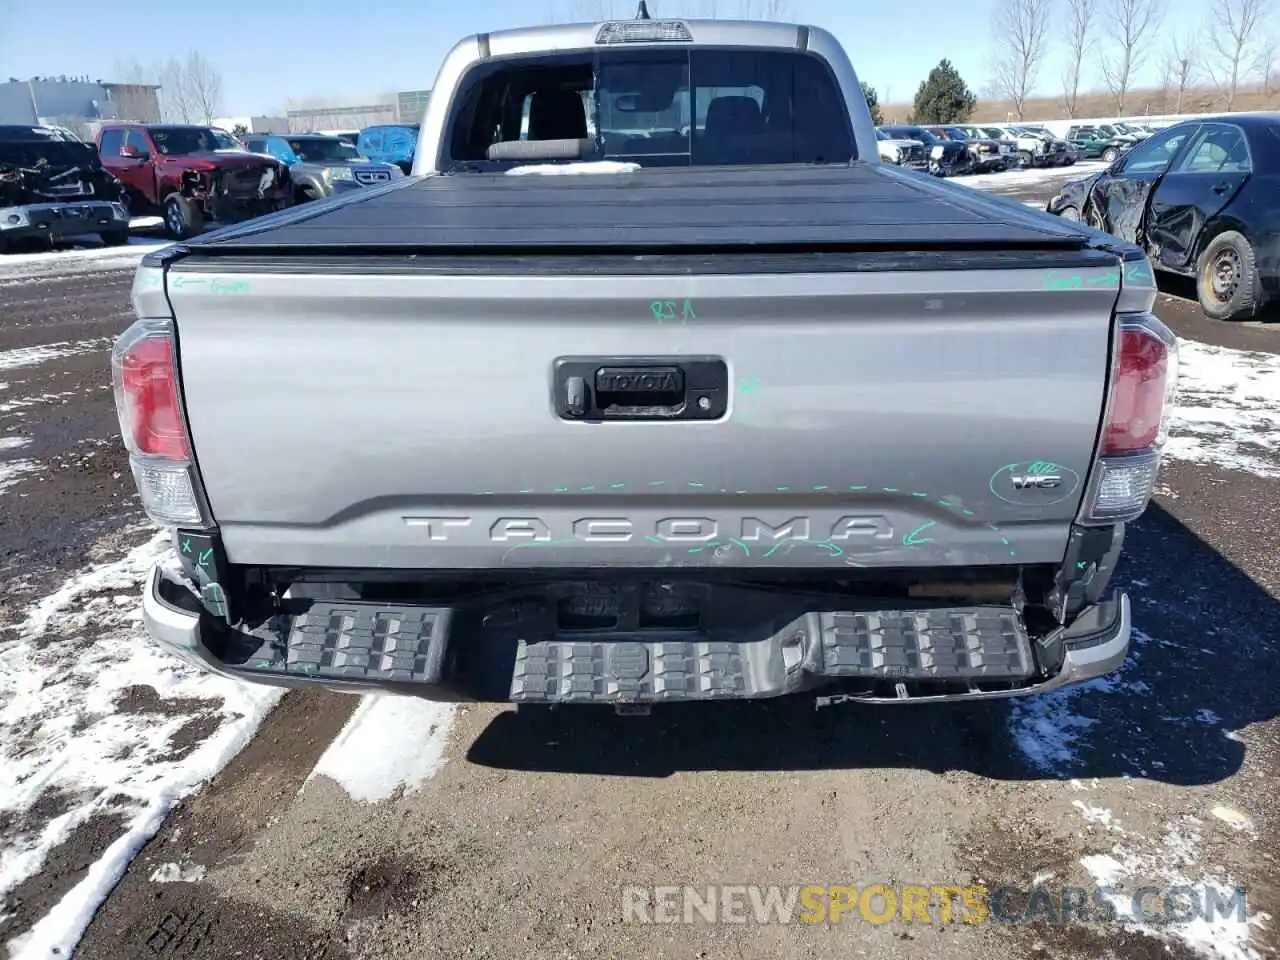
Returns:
point(1025, 158)
point(1227, 278)
point(1109, 155)
point(114, 238)
point(935, 168)
point(306, 195)
point(1069, 213)
point(182, 218)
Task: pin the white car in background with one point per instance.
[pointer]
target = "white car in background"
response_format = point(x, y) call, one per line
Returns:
point(903, 153)
point(1034, 149)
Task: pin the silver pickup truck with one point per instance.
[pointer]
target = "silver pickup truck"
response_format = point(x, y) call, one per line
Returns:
point(651, 383)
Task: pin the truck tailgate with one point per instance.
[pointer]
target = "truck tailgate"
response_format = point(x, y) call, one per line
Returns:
point(874, 416)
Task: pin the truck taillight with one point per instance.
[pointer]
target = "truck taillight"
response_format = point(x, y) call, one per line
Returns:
point(144, 375)
point(1141, 384)
point(1143, 379)
point(146, 383)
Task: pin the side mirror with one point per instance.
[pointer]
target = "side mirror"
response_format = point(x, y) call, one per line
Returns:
point(130, 152)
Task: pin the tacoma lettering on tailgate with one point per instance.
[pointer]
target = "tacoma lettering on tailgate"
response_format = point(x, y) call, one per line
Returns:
point(668, 529)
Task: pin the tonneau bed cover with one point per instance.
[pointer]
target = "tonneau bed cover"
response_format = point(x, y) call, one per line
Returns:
point(858, 205)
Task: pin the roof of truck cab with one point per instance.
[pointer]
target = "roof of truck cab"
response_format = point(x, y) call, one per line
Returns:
point(681, 207)
point(762, 33)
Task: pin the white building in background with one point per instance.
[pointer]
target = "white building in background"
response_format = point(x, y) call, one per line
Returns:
point(76, 102)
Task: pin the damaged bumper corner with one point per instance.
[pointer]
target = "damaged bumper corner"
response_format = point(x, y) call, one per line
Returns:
point(58, 220)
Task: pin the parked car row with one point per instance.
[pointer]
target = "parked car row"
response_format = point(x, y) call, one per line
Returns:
point(946, 150)
point(53, 186)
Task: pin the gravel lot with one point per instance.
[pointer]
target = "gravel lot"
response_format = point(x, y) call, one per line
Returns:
point(339, 827)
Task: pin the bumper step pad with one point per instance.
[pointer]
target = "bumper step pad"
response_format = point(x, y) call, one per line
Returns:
point(956, 643)
point(626, 671)
point(366, 641)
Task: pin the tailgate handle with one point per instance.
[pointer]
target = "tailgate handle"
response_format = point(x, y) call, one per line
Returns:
point(639, 388)
point(649, 388)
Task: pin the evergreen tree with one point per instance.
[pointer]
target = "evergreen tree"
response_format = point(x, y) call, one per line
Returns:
point(943, 97)
point(873, 103)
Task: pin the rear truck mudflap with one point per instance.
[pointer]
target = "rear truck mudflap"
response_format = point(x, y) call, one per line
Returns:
point(542, 644)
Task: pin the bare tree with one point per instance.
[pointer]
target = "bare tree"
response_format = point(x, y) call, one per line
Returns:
point(1080, 16)
point(1128, 22)
point(1268, 66)
point(132, 97)
point(1180, 67)
point(175, 99)
point(203, 86)
point(1232, 31)
point(1021, 28)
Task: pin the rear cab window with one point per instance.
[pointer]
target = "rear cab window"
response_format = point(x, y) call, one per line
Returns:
point(692, 106)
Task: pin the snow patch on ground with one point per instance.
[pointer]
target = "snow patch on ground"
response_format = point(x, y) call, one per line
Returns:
point(1035, 175)
point(13, 443)
point(1228, 409)
point(177, 873)
point(568, 169)
point(52, 263)
point(1049, 730)
point(1173, 862)
point(64, 736)
point(11, 471)
point(389, 743)
point(34, 356)
point(1233, 818)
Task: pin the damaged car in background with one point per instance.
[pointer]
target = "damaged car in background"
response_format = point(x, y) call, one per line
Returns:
point(53, 189)
point(192, 174)
point(1202, 198)
point(985, 154)
point(946, 158)
point(903, 153)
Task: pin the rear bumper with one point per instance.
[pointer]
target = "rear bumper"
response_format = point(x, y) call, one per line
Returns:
point(804, 654)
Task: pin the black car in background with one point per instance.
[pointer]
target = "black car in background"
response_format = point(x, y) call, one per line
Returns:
point(985, 153)
point(1203, 198)
point(946, 157)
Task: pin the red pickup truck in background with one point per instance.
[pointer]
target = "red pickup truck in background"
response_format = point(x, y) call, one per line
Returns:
point(190, 174)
